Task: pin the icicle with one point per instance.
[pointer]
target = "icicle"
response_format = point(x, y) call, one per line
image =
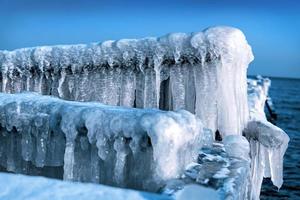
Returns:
point(95, 165)
point(150, 90)
point(60, 83)
point(127, 89)
point(112, 84)
point(99, 85)
point(4, 82)
point(42, 127)
point(177, 78)
point(206, 96)
point(28, 83)
point(190, 91)
point(83, 92)
point(27, 144)
point(10, 165)
point(122, 151)
point(69, 161)
point(140, 88)
point(157, 69)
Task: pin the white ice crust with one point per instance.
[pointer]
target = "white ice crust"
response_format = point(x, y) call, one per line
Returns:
point(103, 144)
point(20, 187)
point(204, 73)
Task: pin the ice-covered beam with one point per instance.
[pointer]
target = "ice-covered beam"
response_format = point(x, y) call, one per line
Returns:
point(119, 146)
point(268, 143)
point(204, 73)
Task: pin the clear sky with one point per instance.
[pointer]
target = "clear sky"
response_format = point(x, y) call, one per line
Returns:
point(272, 27)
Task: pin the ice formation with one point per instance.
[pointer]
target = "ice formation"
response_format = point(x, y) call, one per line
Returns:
point(235, 166)
point(268, 143)
point(120, 146)
point(20, 187)
point(224, 167)
point(204, 73)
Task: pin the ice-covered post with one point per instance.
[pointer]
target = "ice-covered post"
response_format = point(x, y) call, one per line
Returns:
point(221, 79)
point(268, 142)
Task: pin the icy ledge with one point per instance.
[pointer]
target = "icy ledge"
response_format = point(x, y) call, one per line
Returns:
point(204, 73)
point(32, 188)
point(20, 187)
point(268, 143)
point(119, 146)
point(223, 167)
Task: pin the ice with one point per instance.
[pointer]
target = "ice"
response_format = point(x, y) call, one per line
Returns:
point(118, 146)
point(32, 188)
point(268, 143)
point(237, 146)
point(236, 166)
point(203, 72)
point(193, 192)
point(223, 168)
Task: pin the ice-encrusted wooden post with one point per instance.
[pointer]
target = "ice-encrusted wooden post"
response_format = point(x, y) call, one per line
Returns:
point(204, 73)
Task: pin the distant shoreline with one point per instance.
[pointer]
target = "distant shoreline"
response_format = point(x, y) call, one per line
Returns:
point(273, 77)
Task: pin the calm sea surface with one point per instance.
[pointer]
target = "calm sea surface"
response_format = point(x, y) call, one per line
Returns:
point(285, 94)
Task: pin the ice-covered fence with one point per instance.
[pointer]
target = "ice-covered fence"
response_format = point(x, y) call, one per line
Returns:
point(204, 73)
point(119, 146)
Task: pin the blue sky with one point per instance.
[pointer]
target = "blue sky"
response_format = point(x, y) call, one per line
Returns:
point(272, 27)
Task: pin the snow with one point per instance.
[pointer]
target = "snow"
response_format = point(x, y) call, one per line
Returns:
point(203, 72)
point(20, 187)
point(97, 143)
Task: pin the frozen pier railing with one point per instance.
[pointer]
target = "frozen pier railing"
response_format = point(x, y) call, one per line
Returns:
point(118, 146)
point(204, 73)
point(268, 143)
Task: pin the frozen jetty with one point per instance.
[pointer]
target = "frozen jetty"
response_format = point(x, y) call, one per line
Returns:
point(142, 114)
